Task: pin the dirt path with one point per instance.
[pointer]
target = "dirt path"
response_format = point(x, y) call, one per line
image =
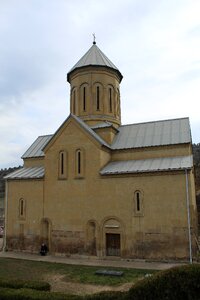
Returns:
point(59, 285)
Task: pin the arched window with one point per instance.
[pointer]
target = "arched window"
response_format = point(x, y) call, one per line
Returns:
point(110, 100)
point(79, 168)
point(74, 102)
point(84, 98)
point(79, 162)
point(138, 203)
point(118, 104)
point(62, 165)
point(98, 97)
point(21, 208)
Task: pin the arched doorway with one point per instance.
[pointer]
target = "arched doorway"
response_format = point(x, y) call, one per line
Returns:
point(113, 237)
point(46, 232)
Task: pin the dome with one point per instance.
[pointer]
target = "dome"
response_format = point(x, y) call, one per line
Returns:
point(94, 57)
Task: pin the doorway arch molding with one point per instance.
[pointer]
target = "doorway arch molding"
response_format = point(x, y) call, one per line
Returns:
point(45, 231)
point(92, 237)
point(114, 226)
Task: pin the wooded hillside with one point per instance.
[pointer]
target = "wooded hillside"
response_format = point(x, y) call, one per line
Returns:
point(196, 154)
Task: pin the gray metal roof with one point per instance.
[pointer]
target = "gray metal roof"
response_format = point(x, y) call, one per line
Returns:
point(148, 165)
point(102, 125)
point(94, 57)
point(27, 173)
point(157, 133)
point(35, 150)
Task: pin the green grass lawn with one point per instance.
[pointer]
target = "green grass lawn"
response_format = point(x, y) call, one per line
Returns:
point(32, 270)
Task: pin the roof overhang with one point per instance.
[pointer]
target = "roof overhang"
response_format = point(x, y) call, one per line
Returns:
point(148, 165)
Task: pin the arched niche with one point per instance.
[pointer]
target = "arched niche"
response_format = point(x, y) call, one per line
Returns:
point(91, 234)
point(45, 232)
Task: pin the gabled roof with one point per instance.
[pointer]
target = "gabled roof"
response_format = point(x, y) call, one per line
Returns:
point(157, 133)
point(35, 150)
point(27, 173)
point(94, 57)
point(148, 165)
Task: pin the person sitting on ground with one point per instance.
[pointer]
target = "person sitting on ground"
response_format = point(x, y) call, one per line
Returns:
point(43, 249)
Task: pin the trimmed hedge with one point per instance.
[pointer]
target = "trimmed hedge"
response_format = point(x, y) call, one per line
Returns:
point(28, 294)
point(106, 296)
point(177, 283)
point(19, 284)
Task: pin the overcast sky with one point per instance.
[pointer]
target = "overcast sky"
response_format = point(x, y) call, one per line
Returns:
point(154, 43)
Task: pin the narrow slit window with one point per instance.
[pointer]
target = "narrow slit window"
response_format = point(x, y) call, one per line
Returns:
point(62, 167)
point(62, 163)
point(138, 204)
point(21, 208)
point(74, 102)
point(79, 162)
point(84, 98)
point(110, 99)
point(138, 200)
point(98, 98)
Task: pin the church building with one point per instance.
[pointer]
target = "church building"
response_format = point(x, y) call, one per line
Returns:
point(99, 188)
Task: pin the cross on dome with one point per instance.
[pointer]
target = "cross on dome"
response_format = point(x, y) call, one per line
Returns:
point(94, 39)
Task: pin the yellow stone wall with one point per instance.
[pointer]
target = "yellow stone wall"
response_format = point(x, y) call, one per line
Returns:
point(91, 78)
point(24, 232)
point(34, 162)
point(108, 134)
point(152, 152)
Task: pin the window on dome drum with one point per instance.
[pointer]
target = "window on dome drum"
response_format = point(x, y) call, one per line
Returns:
point(138, 203)
point(118, 104)
point(79, 172)
point(84, 98)
point(98, 97)
point(22, 208)
point(110, 99)
point(62, 165)
point(74, 102)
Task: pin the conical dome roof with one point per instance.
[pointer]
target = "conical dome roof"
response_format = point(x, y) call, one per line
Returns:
point(94, 57)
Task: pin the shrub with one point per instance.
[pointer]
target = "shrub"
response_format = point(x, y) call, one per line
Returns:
point(106, 296)
point(27, 294)
point(18, 284)
point(175, 284)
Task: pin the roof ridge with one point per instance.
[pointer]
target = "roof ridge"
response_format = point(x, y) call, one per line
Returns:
point(157, 121)
point(45, 135)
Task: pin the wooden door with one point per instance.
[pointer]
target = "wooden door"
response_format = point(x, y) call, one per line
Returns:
point(113, 244)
